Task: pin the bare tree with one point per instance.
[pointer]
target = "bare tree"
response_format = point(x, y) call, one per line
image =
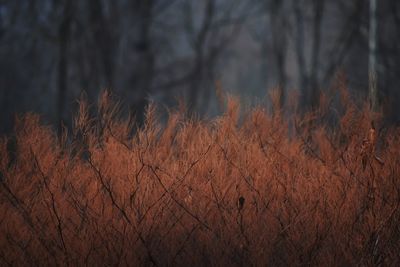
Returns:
point(64, 39)
point(279, 29)
point(198, 40)
point(300, 46)
point(308, 69)
point(318, 10)
point(219, 25)
point(348, 34)
point(143, 73)
point(104, 30)
point(372, 54)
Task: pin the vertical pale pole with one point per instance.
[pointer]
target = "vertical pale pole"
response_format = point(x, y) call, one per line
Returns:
point(372, 73)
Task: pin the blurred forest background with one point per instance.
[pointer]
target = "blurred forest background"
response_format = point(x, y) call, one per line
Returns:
point(163, 50)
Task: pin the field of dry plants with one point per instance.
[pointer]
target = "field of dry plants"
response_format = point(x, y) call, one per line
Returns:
point(253, 188)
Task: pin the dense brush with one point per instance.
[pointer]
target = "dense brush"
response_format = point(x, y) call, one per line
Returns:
point(261, 188)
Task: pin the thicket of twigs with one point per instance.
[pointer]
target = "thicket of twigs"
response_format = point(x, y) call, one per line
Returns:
point(258, 189)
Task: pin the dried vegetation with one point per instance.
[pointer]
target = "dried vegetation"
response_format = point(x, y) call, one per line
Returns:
point(254, 189)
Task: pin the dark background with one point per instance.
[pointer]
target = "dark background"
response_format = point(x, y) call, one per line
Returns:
point(162, 50)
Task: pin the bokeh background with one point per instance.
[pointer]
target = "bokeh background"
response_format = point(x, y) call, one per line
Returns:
point(164, 50)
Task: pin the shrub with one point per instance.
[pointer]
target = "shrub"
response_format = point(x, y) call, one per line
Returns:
point(253, 190)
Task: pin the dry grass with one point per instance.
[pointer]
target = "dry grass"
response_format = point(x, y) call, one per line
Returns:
point(251, 190)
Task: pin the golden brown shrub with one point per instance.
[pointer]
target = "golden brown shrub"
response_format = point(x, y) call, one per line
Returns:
point(260, 189)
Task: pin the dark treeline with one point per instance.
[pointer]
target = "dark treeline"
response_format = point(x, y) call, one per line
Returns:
point(163, 50)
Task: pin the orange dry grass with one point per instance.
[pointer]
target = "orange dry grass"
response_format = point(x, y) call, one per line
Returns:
point(264, 191)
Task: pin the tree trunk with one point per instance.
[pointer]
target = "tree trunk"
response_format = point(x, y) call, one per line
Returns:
point(62, 81)
point(279, 44)
point(301, 62)
point(318, 8)
point(372, 72)
point(201, 57)
point(144, 73)
point(104, 40)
